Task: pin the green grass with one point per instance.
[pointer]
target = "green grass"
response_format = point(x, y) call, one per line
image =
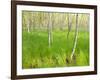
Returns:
point(37, 54)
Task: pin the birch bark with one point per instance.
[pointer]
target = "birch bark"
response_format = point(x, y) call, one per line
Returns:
point(76, 37)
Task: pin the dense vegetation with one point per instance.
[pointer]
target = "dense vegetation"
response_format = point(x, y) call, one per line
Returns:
point(51, 45)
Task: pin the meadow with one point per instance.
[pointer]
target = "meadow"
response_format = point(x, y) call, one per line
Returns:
point(37, 54)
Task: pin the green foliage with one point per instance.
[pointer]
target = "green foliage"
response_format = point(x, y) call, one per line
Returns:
point(37, 54)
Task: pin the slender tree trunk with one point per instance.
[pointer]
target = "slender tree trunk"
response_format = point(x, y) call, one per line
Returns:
point(33, 21)
point(69, 24)
point(52, 25)
point(76, 37)
point(49, 29)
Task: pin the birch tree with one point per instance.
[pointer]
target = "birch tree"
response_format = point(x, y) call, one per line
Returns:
point(49, 29)
point(76, 37)
point(28, 21)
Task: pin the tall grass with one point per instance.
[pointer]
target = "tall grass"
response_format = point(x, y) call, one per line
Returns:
point(37, 54)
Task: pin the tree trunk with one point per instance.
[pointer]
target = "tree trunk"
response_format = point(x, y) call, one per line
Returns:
point(76, 37)
point(69, 24)
point(49, 29)
point(33, 21)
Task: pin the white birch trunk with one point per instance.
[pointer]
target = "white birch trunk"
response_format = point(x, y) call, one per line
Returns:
point(49, 30)
point(76, 37)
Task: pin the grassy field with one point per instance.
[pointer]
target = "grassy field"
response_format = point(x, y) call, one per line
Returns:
point(37, 54)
